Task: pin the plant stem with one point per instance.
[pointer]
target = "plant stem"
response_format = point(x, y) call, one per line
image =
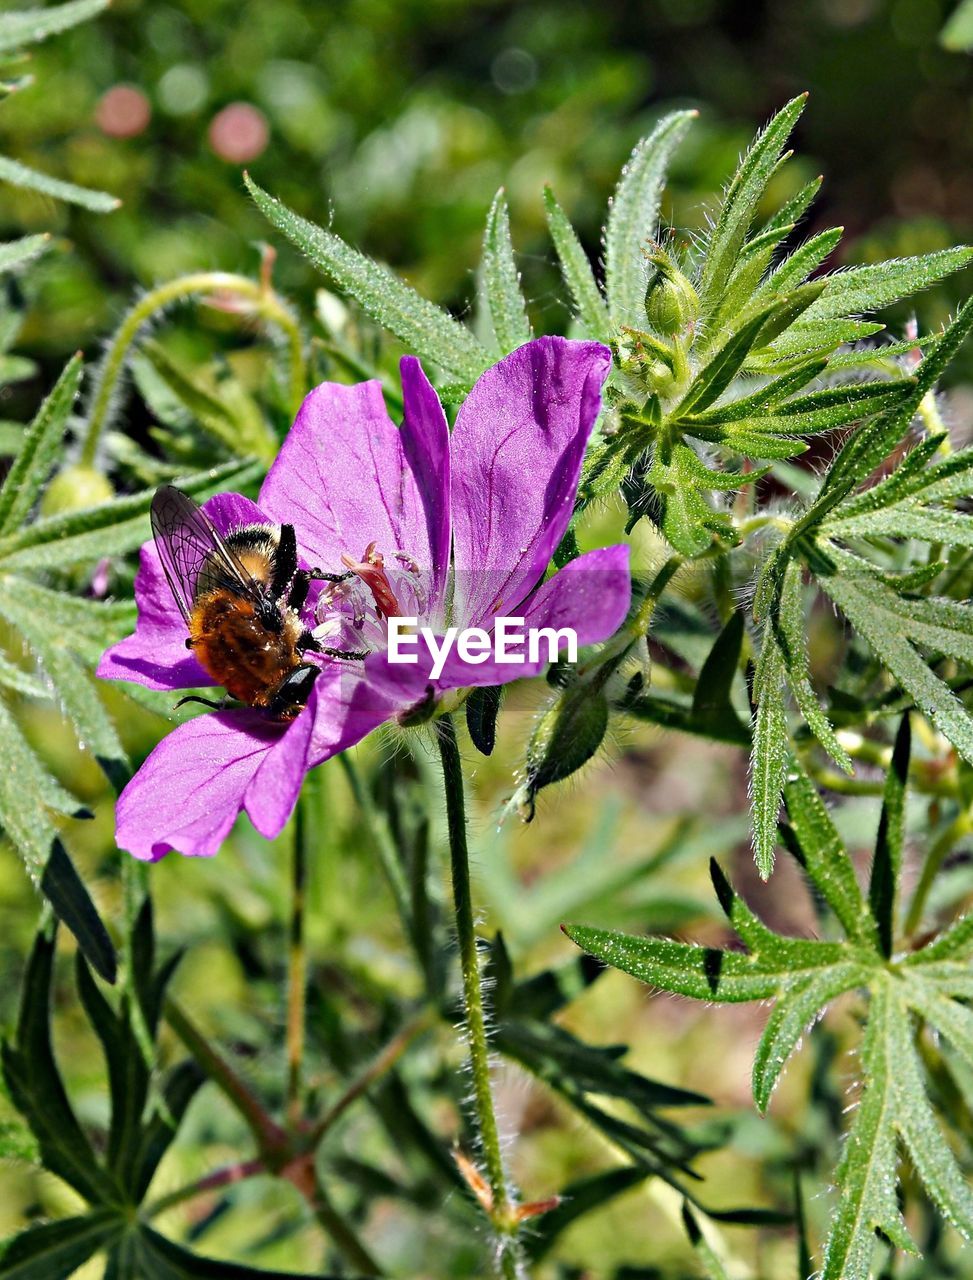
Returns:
point(214, 1181)
point(381, 838)
point(297, 953)
point(501, 1210)
point(383, 1062)
point(265, 304)
point(961, 826)
point(270, 1137)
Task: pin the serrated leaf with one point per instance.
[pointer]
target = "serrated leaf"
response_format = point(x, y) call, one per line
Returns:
point(863, 289)
point(19, 175)
point(711, 698)
point(72, 686)
point(712, 380)
point(425, 328)
point(633, 217)
point(178, 1089)
point(37, 1090)
point(576, 270)
point(704, 973)
point(55, 1250)
point(821, 851)
point(797, 1008)
point(38, 450)
point(25, 787)
point(741, 202)
point(797, 266)
point(112, 528)
point(867, 1172)
point(768, 761)
point(30, 26)
point(163, 1259)
point(501, 280)
point(891, 625)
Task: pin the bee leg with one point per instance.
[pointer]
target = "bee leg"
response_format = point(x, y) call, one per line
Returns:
point(224, 704)
point(308, 644)
point(319, 575)
point(285, 563)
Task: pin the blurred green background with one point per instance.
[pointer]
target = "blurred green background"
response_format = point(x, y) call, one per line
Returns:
point(396, 121)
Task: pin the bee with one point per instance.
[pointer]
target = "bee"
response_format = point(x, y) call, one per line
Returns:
point(241, 597)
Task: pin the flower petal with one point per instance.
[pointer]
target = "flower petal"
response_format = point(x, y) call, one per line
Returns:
point(425, 440)
point(188, 793)
point(156, 655)
point(591, 595)
point(347, 476)
point(516, 459)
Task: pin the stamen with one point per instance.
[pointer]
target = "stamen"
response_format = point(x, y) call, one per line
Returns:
point(371, 570)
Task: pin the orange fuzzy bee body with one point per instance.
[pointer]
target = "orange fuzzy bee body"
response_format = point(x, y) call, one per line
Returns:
point(241, 597)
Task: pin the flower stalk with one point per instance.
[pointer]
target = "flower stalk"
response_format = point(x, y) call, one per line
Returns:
point(261, 301)
point(502, 1210)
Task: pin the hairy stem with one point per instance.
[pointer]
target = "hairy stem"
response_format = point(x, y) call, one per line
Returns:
point(501, 1209)
point(296, 952)
point(264, 303)
point(214, 1181)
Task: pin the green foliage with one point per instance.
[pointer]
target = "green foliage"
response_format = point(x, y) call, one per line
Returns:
point(19, 29)
point(924, 985)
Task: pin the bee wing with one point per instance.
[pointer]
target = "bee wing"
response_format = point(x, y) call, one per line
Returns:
point(187, 541)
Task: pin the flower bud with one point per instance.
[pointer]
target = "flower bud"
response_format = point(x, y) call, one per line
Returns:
point(671, 302)
point(74, 489)
point(567, 735)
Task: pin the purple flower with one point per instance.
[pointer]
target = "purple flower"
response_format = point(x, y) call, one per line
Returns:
point(390, 504)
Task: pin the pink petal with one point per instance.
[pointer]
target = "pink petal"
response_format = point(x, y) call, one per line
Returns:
point(516, 460)
point(188, 793)
point(347, 476)
point(590, 594)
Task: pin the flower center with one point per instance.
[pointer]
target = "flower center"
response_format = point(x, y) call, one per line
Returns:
point(354, 614)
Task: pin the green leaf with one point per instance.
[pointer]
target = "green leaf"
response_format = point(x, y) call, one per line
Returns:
point(425, 328)
point(712, 1267)
point(73, 687)
point(30, 26)
point(162, 1259)
point(712, 380)
point(768, 761)
point(704, 973)
point(55, 1250)
point(957, 34)
point(18, 175)
point(796, 267)
point(796, 1010)
point(17, 253)
point(887, 864)
point(633, 217)
point(25, 787)
point(891, 626)
point(178, 1089)
point(712, 709)
point(501, 280)
point(821, 851)
point(867, 1172)
point(870, 446)
point(863, 289)
point(112, 528)
point(741, 202)
point(792, 639)
point(40, 447)
point(128, 1075)
point(37, 1090)
point(824, 410)
point(576, 270)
